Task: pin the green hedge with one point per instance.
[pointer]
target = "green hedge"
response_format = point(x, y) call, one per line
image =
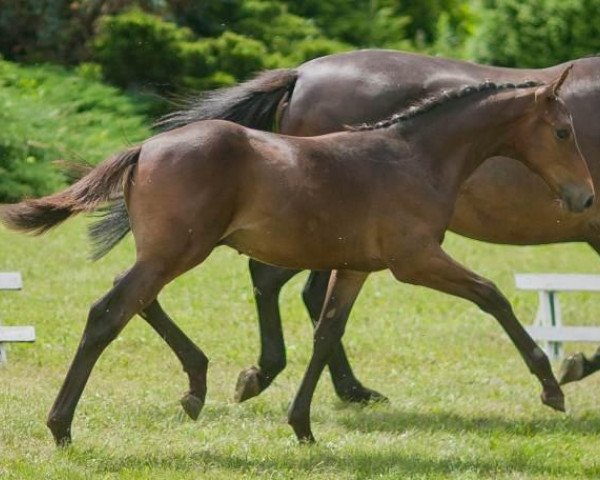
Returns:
point(536, 33)
point(49, 113)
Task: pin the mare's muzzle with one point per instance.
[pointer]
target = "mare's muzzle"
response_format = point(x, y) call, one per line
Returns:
point(577, 198)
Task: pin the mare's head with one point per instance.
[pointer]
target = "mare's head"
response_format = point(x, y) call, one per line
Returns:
point(547, 141)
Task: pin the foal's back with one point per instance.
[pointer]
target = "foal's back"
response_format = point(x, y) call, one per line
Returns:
point(289, 187)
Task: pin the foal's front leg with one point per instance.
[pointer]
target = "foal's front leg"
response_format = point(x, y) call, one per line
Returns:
point(344, 287)
point(347, 387)
point(433, 268)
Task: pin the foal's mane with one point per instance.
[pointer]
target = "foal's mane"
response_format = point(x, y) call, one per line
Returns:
point(426, 104)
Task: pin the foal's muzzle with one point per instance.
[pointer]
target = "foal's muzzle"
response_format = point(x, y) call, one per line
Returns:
point(577, 198)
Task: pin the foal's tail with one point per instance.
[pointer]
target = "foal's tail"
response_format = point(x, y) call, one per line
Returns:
point(100, 185)
point(252, 103)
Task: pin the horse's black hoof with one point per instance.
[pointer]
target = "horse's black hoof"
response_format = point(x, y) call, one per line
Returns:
point(572, 369)
point(247, 385)
point(307, 439)
point(362, 395)
point(555, 400)
point(192, 405)
point(61, 431)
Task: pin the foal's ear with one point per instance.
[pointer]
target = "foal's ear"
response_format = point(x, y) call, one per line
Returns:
point(553, 88)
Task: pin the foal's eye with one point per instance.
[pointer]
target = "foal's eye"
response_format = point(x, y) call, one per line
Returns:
point(562, 133)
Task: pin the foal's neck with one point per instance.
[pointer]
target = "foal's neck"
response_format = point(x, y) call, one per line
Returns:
point(466, 132)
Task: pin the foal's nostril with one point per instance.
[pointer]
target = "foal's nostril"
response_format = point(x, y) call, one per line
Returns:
point(589, 202)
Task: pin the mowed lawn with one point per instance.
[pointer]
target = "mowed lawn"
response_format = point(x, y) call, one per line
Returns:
point(463, 404)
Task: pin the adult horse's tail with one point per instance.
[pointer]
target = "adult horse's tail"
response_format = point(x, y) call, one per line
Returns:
point(100, 185)
point(252, 104)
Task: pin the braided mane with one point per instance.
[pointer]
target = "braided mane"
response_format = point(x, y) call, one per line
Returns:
point(426, 104)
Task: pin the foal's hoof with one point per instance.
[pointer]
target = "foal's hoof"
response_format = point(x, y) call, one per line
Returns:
point(303, 434)
point(555, 400)
point(308, 439)
point(61, 431)
point(192, 405)
point(247, 385)
point(572, 369)
point(360, 394)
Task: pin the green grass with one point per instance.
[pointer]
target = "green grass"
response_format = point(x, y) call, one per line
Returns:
point(462, 402)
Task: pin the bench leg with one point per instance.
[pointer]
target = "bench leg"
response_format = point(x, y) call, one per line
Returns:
point(548, 315)
point(3, 356)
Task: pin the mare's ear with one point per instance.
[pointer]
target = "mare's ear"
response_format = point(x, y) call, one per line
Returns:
point(551, 90)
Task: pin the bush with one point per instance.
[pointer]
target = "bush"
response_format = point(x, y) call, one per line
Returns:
point(536, 33)
point(136, 48)
point(308, 49)
point(271, 23)
point(42, 30)
point(49, 113)
point(237, 55)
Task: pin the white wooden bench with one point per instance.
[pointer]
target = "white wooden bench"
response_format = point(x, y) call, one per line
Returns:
point(13, 281)
point(547, 327)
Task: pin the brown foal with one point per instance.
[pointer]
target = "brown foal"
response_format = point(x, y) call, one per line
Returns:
point(380, 197)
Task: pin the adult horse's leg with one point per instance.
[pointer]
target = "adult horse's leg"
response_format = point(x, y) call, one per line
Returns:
point(578, 366)
point(267, 282)
point(346, 385)
point(434, 269)
point(343, 289)
point(107, 317)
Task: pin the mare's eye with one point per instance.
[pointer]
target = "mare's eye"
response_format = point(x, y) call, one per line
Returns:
point(562, 133)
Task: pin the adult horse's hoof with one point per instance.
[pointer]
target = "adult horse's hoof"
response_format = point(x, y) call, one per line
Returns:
point(192, 405)
point(247, 385)
point(61, 431)
point(360, 394)
point(572, 369)
point(555, 400)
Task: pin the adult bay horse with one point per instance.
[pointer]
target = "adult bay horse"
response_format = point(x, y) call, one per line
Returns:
point(501, 203)
point(379, 197)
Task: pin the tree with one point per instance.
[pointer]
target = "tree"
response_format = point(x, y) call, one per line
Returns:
point(536, 33)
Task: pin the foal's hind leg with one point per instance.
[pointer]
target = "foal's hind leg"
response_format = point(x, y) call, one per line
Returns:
point(345, 383)
point(434, 269)
point(106, 319)
point(267, 281)
point(192, 358)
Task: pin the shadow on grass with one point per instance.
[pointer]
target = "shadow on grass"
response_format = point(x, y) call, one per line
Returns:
point(393, 420)
point(361, 464)
point(367, 462)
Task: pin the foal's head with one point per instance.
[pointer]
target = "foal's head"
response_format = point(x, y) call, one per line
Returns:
point(547, 139)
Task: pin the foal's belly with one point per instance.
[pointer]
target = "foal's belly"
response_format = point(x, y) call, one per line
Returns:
point(306, 244)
